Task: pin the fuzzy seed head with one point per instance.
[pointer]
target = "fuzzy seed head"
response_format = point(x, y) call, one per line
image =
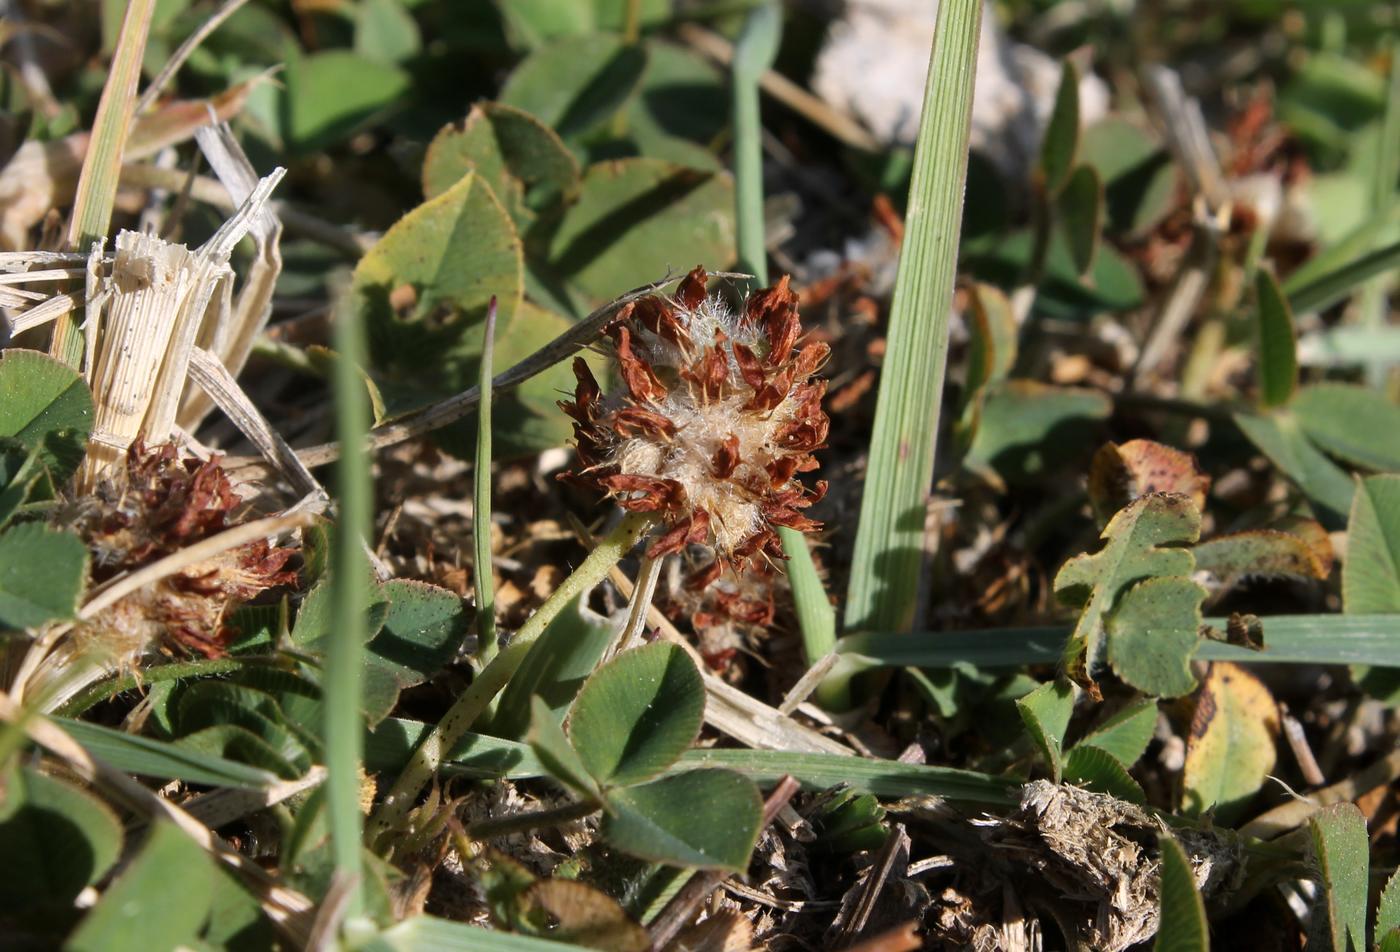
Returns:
point(717, 416)
point(154, 506)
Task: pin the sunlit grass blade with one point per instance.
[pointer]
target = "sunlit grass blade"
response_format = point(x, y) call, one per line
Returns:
point(344, 724)
point(888, 561)
point(1329, 288)
point(1288, 639)
point(102, 166)
point(481, 503)
point(753, 54)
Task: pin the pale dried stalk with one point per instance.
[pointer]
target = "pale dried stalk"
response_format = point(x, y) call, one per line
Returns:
point(447, 411)
point(1187, 137)
point(231, 340)
point(214, 380)
point(151, 282)
point(159, 295)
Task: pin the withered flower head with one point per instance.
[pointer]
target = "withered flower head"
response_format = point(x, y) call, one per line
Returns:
point(155, 506)
point(717, 415)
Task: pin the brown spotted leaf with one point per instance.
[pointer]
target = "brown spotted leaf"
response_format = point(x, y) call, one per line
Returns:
point(1123, 472)
point(1269, 553)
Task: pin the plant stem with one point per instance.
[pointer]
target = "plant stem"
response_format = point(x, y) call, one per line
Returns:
point(753, 54)
point(345, 657)
point(431, 751)
point(535, 820)
point(481, 504)
point(102, 690)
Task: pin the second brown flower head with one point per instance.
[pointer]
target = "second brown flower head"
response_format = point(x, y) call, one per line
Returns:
point(718, 415)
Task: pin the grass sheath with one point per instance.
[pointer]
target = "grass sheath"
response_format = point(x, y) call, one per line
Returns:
point(888, 560)
point(428, 757)
point(753, 54)
point(345, 661)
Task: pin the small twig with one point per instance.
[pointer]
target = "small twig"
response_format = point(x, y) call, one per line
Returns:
point(1187, 136)
point(210, 374)
point(483, 581)
point(686, 903)
point(896, 845)
point(1295, 813)
point(808, 683)
point(813, 108)
point(534, 820)
point(1185, 295)
point(204, 549)
point(326, 927)
point(172, 65)
point(1298, 743)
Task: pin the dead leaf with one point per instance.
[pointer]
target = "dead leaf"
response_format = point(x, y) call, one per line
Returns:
point(1121, 473)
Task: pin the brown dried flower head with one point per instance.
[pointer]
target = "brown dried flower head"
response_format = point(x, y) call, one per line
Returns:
point(717, 416)
point(155, 506)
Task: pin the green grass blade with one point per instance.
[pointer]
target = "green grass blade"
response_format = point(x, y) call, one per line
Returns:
point(162, 760)
point(175, 671)
point(481, 756)
point(1373, 304)
point(888, 560)
point(345, 661)
point(1330, 287)
point(883, 778)
point(1288, 639)
point(102, 166)
point(482, 580)
point(753, 54)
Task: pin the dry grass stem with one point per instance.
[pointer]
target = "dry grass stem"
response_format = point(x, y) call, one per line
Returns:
point(225, 541)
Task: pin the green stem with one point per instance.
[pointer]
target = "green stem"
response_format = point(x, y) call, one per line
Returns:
point(753, 54)
point(345, 657)
point(96, 193)
point(481, 504)
point(536, 820)
point(428, 757)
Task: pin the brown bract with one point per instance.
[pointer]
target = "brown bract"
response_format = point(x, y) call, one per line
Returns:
point(158, 505)
point(717, 415)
